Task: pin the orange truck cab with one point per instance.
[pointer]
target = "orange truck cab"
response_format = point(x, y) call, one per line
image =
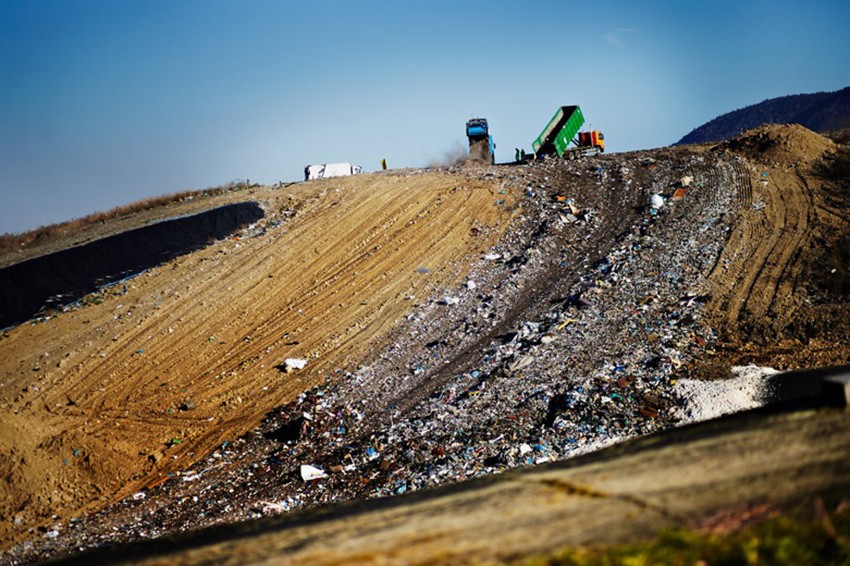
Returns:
point(593, 138)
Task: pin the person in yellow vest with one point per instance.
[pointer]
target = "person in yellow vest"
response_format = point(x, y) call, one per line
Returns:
point(384, 164)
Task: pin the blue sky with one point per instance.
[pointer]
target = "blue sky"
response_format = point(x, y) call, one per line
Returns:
point(105, 102)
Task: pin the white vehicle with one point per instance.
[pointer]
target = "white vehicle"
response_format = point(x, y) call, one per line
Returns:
point(327, 170)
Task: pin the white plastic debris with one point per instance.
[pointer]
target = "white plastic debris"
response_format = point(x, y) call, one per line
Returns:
point(290, 364)
point(309, 473)
point(451, 300)
point(656, 201)
point(272, 507)
point(520, 363)
point(470, 285)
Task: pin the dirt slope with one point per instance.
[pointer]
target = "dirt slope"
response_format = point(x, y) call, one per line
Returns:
point(454, 324)
point(767, 287)
point(191, 351)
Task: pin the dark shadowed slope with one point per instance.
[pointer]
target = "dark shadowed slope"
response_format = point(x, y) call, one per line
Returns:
point(57, 279)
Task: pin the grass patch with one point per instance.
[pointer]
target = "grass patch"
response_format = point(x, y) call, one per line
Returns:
point(780, 540)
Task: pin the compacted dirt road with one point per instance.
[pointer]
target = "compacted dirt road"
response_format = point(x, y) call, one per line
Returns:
point(450, 324)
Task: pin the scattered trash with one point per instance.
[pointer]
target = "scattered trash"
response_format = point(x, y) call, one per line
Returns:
point(272, 508)
point(310, 473)
point(521, 363)
point(656, 201)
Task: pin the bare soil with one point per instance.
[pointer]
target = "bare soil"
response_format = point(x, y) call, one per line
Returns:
point(770, 288)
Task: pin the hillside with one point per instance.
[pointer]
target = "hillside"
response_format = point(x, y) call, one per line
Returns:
point(820, 112)
point(454, 323)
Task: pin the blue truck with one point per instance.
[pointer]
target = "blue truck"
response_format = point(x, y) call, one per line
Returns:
point(481, 146)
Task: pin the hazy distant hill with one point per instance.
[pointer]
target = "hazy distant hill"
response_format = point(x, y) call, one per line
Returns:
point(821, 112)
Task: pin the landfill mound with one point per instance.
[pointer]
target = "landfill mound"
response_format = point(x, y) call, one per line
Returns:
point(386, 333)
point(781, 145)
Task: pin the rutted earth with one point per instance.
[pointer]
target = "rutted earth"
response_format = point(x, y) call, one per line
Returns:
point(455, 323)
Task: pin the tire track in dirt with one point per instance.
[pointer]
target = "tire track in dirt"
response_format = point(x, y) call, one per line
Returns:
point(786, 268)
point(191, 351)
point(757, 273)
point(747, 249)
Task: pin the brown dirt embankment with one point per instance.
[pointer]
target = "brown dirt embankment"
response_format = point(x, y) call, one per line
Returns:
point(778, 292)
point(98, 402)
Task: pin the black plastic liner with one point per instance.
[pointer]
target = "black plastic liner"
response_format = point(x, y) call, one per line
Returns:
point(31, 286)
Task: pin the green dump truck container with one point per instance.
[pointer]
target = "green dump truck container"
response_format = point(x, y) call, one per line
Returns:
point(559, 132)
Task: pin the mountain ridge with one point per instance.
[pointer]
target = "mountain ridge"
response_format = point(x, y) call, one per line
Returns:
point(819, 112)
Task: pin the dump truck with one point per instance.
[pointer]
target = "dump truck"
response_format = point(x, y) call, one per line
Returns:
point(481, 146)
point(563, 130)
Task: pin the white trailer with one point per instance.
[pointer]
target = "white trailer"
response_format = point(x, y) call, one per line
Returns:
point(327, 170)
